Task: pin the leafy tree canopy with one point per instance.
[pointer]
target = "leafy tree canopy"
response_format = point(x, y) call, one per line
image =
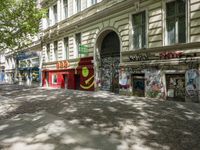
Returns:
point(19, 21)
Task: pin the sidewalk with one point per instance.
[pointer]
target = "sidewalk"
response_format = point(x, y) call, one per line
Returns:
point(137, 123)
point(44, 131)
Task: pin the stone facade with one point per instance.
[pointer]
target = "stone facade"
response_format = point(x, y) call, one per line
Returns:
point(158, 69)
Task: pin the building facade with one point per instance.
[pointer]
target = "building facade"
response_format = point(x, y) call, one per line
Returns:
point(23, 66)
point(2, 67)
point(134, 47)
point(10, 67)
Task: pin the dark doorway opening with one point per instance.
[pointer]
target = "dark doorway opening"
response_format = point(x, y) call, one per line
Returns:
point(138, 81)
point(110, 59)
point(65, 81)
point(77, 82)
point(46, 79)
point(175, 87)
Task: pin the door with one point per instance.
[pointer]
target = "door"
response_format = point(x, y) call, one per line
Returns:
point(77, 82)
point(47, 78)
point(65, 81)
point(110, 59)
point(175, 87)
point(138, 82)
point(110, 74)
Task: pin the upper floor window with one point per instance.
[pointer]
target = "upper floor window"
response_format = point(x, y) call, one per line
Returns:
point(56, 50)
point(65, 8)
point(139, 30)
point(93, 2)
point(55, 13)
point(48, 18)
point(66, 48)
point(48, 52)
point(176, 22)
point(78, 42)
point(78, 5)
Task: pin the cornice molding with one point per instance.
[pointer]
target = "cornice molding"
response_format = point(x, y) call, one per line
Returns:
point(176, 47)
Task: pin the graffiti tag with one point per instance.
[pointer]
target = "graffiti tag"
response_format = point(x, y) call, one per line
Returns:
point(170, 55)
point(139, 57)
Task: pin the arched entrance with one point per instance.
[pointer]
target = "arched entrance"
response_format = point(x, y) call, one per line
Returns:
point(109, 54)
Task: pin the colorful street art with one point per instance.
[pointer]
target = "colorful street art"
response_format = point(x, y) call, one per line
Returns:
point(192, 84)
point(123, 79)
point(175, 87)
point(110, 74)
point(86, 72)
point(154, 84)
point(89, 82)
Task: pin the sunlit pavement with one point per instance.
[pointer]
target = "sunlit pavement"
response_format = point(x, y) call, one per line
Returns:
point(57, 119)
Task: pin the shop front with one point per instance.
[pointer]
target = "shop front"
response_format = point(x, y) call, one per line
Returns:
point(2, 74)
point(77, 75)
point(28, 72)
point(170, 75)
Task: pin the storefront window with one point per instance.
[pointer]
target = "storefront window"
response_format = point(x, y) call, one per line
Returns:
point(35, 76)
point(54, 79)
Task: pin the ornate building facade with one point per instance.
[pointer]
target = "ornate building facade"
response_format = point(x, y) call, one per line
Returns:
point(147, 48)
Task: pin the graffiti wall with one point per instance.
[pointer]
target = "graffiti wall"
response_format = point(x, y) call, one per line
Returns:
point(86, 72)
point(192, 85)
point(110, 74)
point(125, 81)
point(154, 84)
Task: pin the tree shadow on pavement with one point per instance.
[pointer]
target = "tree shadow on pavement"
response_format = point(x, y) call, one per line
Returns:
point(136, 123)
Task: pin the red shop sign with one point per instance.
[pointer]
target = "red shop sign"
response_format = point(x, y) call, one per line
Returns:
point(62, 64)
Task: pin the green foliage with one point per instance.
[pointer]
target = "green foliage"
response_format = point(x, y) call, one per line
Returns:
point(19, 21)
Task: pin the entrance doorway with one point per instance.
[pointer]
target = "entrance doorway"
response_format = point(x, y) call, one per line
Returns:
point(138, 85)
point(46, 79)
point(109, 62)
point(175, 87)
point(65, 81)
point(77, 81)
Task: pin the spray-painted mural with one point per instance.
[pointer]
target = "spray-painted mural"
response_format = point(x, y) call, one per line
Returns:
point(123, 79)
point(110, 74)
point(154, 84)
point(192, 84)
point(86, 71)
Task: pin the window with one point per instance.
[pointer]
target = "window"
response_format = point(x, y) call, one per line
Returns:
point(66, 47)
point(175, 22)
point(139, 30)
point(78, 42)
point(55, 13)
point(93, 2)
point(65, 8)
point(78, 5)
point(48, 18)
point(48, 52)
point(56, 50)
point(54, 79)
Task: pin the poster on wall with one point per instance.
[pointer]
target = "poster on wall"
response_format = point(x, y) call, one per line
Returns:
point(192, 84)
point(35, 76)
point(154, 84)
